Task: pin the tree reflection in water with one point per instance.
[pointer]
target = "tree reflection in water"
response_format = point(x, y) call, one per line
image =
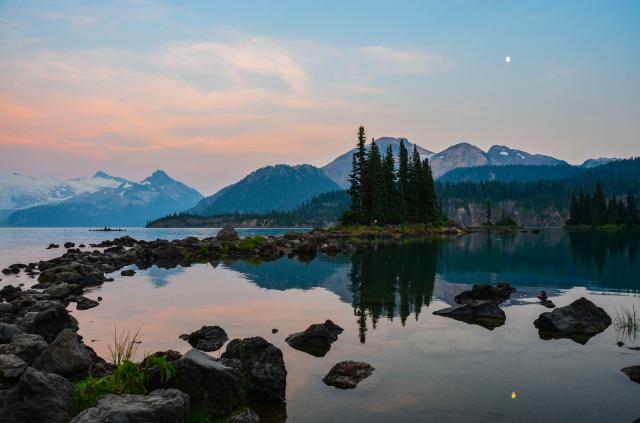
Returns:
point(392, 280)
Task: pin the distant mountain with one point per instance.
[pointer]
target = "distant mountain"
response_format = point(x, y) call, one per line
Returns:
point(509, 173)
point(20, 191)
point(123, 203)
point(321, 211)
point(340, 168)
point(460, 155)
point(589, 163)
point(280, 187)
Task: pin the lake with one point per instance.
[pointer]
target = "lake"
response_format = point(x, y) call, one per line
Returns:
point(428, 368)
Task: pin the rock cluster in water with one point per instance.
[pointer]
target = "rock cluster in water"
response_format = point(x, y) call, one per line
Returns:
point(348, 374)
point(480, 305)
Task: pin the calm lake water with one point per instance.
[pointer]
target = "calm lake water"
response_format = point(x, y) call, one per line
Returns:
point(428, 368)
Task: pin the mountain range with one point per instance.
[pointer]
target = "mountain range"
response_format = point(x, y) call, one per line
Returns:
point(101, 200)
point(113, 201)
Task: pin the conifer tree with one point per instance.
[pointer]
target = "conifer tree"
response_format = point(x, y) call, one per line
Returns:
point(356, 177)
point(403, 182)
point(431, 202)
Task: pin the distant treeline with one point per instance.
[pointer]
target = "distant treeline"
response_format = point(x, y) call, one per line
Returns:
point(596, 210)
point(617, 178)
point(380, 194)
point(321, 211)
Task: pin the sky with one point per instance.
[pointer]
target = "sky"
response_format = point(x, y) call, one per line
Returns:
point(209, 91)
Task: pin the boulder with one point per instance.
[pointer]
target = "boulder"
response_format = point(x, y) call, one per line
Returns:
point(66, 356)
point(579, 321)
point(52, 246)
point(161, 406)
point(49, 322)
point(69, 245)
point(483, 313)
point(246, 416)
point(10, 292)
point(74, 272)
point(633, 372)
point(212, 384)
point(263, 365)
point(84, 303)
point(27, 346)
point(8, 331)
point(207, 338)
point(37, 398)
point(316, 339)
point(11, 366)
point(62, 290)
point(347, 374)
point(128, 272)
point(486, 292)
point(227, 233)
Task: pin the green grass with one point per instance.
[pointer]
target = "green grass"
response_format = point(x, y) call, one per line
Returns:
point(198, 415)
point(128, 376)
point(627, 322)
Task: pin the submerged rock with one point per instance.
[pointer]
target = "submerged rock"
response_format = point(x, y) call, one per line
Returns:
point(128, 272)
point(316, 339)
point(66, 356)
point(348, 374)
point(207, 338)
point(212, 384)
point(264, 365)
point(633, 372)
point(486, 292)
point(483, 313)
point(161, 406)
point(37, 398)
point(579, 321)
point(227, 233)
point(51, 246)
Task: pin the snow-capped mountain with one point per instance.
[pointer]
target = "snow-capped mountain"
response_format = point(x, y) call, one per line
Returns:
point(589, 163)
point(20, 191)
point(460, 155)
point(340, 168)
point(120, 203)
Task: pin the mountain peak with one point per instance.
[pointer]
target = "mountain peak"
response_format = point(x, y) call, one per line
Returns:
point(158, 177)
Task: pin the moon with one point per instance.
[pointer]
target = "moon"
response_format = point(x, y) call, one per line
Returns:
point(507, 59)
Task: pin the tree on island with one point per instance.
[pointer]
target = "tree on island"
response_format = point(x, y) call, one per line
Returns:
point(380, 194)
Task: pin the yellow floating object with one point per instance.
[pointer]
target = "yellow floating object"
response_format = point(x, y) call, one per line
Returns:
point(513, 395)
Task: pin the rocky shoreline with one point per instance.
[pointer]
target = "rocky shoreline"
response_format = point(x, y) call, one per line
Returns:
point(42, 356)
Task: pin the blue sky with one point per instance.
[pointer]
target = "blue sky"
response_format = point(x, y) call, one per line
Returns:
point(211, 90)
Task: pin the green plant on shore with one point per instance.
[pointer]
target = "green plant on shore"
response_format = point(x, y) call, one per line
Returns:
point(125, 345)
point(198, 415)
point(627, 322)
point(127, 378)
point(252, 242)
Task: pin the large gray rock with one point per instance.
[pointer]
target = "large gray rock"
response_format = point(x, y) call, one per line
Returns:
point(483, 313)
point(262, 362)
point(633, 372)
point(247, 416)
point(347, 374)
point(227, 233)
point(66, 356)
point(73, 273)
point(578, 321)
point(8, 331)
point(161, 406)
point(207, 338)
point(37, 398)
point(84, 303)
point(27, 346)
point(62, 290)
point(49, 322)
point(11, 366)
point(316, 339)
point(212, 384)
